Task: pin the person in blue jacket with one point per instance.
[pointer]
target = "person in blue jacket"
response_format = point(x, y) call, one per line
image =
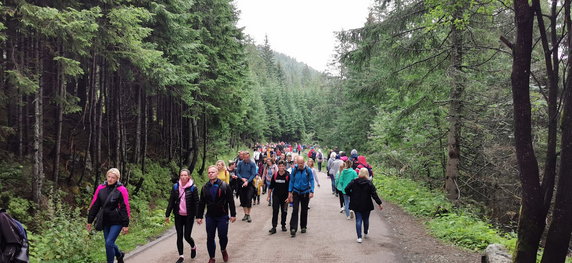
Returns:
point(246, 171)
point(300, 191)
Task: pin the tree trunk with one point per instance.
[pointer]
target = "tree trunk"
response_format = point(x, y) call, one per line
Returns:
point(205, 141)
point(530, 226)
point(455, 111)
point(145, 127)
point(61, 93)
point(38, 167)
point(558, 239)
point(137, 152)
point(552, 61)
point(194, 151)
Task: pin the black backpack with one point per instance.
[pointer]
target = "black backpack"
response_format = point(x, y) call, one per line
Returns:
point(14, 240)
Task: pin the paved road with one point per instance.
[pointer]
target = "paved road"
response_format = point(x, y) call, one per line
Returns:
point(330, 238)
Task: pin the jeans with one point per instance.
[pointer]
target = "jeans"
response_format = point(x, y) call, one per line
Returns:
point(110, 234)
point(333, 179)
point(362, 217)
point(303, 199)
point(214, 223)
point(184, 227)
point(347, 204)
point(279, 205)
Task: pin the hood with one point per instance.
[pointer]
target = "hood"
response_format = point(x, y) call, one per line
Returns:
point(353, 152)
point(362, 181)
point(361, 159)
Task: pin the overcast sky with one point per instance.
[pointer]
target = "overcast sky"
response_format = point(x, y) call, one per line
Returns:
point(303, 29)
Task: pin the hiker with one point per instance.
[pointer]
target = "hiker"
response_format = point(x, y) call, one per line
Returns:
point(246, 172)
point(300, 191)
point(362, 191)
point(346, 176)
point(234, 181)
point(184, 202)
point(339, 192)
point(222, 172)
point(312, 154)
point(278, 192)
point(216, 197)
point(311, 165)
point(13, 240)
point(362, 163)
point(257, 189)
point(270, 168)
point(334, 168)
point(354, 156)
point(319, 159)
point(112, 198)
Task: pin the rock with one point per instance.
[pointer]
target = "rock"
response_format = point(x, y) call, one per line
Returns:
point(496, 253)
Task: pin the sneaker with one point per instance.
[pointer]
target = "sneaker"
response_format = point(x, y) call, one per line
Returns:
point(303, 230)
point(120, 257)
point(245, 217)
point(272, 231)
point(180, 260)
point(359, 240)
point(351, 214)
point(224, 255)
point(212, 260)
point(292, 233)
point(342, 209)
point(284, 229)
point(249, 219)
point(364, 235)
point(349, 218)
point(269, 203)
point(194, 252)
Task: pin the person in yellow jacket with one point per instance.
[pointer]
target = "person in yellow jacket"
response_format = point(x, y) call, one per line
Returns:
point(258, 186)
point(223, 173)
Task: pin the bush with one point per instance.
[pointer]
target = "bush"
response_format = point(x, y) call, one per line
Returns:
point(454, 225)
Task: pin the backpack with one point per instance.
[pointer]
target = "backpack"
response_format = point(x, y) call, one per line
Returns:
point(15, 252)
point(313, 155)
point(369, 169)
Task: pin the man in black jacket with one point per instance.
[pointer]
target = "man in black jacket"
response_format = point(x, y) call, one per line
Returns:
point(216, 195)
point(279, 190)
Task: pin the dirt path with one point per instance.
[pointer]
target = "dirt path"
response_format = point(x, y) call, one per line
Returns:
point(330, 238)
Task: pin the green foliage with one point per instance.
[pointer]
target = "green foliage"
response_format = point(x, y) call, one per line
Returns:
point(455, 225)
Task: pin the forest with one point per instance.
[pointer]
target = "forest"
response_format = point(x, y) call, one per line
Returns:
point(470, 98)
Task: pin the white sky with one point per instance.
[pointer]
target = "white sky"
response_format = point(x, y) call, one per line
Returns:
point(303, 29)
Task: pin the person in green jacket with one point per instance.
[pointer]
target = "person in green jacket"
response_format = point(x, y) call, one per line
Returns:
point(346, 176)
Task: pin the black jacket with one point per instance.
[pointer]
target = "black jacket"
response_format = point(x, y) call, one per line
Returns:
point(219, 204)
point(10, 241)
point(117, 210)
point(362, 191)
point(191, 198)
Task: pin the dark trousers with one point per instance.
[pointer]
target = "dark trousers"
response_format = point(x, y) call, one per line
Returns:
point(214, 223)
point(304, 200)
point(319, 166)
point(341, 196)
point(279, 204)
point(184, 227)
point(246, 194)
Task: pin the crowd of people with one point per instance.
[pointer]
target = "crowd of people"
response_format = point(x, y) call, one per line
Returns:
point(282, 172)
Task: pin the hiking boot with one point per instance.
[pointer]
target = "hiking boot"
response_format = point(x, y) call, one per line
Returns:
point(212, 260)
point(303, 230)
point(180, 260)
point(284, 229)
point(194, 252)
point(249, 219)
point(269, 203)
point(245, 217)
point(272, 231)
point(120, 257)
point(292, 233)
point(224, 255)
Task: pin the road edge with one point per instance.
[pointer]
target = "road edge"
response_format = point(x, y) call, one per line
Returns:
point(139, 249)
